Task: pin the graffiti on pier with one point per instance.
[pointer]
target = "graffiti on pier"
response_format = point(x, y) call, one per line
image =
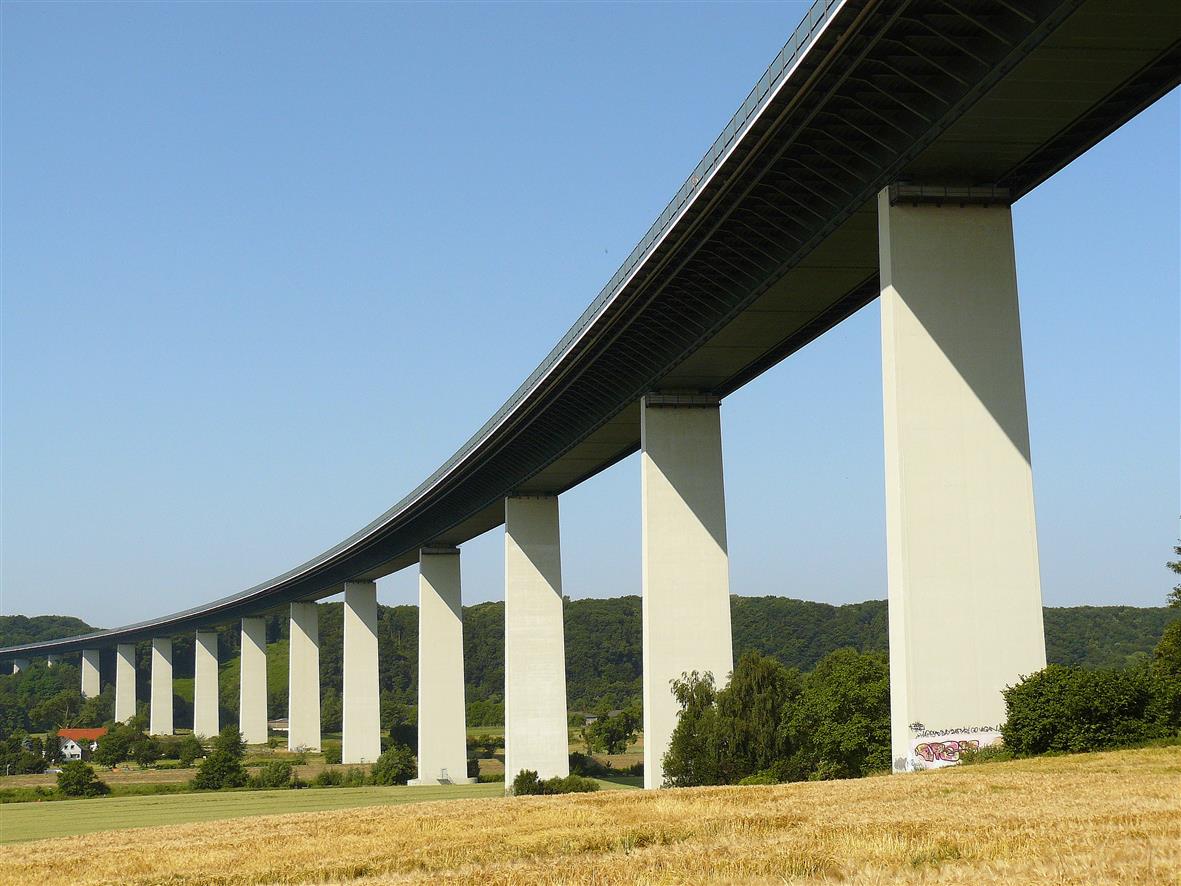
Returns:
point(945, 751)
point(932, 748)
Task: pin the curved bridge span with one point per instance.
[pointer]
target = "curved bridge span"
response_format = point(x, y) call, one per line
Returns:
point(879, 131)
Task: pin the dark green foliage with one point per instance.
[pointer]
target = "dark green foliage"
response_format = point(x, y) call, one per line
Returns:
point(126, 741)
point(1103, 636)
point(327, 778)
point(604, 653)
point(274, 774)
point(693, 757)
point(77, 779)
point(1166, 672)
point(841, 721)
point(485, 713)
point(483, 745)
point(491, 777)
point(988, 754)
point(1077, 709)
point(527, 783)
point(355, 778)
point(332, 754)
point(144, 750)
point(612, 733)
point(16, 630)
point(188, 749)
point(752, 712)
point(582, 764)
point(1175, 567)
point(220, 769)
point(331, 711)
point(17, 756)
point(395, 766)
point(229, 741)
point(771, 724)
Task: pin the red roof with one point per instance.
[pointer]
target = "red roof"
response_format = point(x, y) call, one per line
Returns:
point(83, 734)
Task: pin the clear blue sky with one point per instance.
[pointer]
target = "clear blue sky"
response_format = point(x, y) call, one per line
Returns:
point(265, 267)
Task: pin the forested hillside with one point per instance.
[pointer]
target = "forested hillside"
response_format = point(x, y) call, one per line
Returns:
point(603, 650)
point(18, 629)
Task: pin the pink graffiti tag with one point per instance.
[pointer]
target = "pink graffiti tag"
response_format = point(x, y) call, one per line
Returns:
point(945, 751)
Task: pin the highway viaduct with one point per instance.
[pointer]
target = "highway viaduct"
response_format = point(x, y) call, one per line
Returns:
point(878, 157)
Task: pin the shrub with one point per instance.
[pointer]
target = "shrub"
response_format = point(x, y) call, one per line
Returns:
point(354, 778)
point(327, 778)
point(473, 768)
point(527, 783)
point(221, 769)
point(144, 750)
point(988, 754)
point(275, 774)
point(582, 764)
point(229, 741)
point(332, 754)
point(1078, 709)
point(189, 749)
point(1166, 672)
point(395, 766)
point(491, 777)
point(763, 776)
point(77, 779)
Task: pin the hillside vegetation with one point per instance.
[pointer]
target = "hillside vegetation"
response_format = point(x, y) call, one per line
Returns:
point(1097, 818)
point(603, 646)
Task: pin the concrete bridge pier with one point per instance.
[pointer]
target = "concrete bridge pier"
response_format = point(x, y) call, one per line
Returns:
point(51, 660)
point(442, 715)
point(252, 686)
point(303, 684)
point(962, 560)
point(686, 581)
point(90, 673)
point(361, 727)
point(535, 728)
point(205, 688)
point(160, 710)
point(20, 664)
point(124, 682)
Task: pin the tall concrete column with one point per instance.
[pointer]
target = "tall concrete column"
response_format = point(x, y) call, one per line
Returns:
point(686, 582)
point(20, 664)
point(252, 687)
point(962, 562)
point(90, 673)
point(535, 730)
point(442, 716)
point(303, 682)
point(51, 660)
point(205, 688)
point(361, 726)
point(160, 711)
point(124, 682)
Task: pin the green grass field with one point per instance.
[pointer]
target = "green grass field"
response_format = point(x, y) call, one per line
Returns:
point(63, 818)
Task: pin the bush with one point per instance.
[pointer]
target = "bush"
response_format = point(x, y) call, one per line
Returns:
point(144, 750)
point(995, 753)
point(395, 766)
point(189, 749)
point(221, 769)
point(77, 779)
point(491, 777)
point(527, 783)
point(327, 778)
point(275, 774)
point(1077, 709)
point(332, 754)
point(581, 764)
point(354, 778)
point(229, 741)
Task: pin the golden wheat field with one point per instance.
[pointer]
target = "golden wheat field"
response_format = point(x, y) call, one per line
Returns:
point(1098, 818)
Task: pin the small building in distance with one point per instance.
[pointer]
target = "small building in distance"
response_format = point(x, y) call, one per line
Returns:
point(77, 744)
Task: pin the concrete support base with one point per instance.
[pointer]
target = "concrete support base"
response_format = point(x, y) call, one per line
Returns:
point(686, 583)
point(52, 660)
point(124, 682)
point(90, 673)
point(20, 664)
point(161, 700)
point(252, 688)
point(535, 730)
point(205, 688)
point(964, 590)
point(442, 715)
point(361, 730)
point(303, 684)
